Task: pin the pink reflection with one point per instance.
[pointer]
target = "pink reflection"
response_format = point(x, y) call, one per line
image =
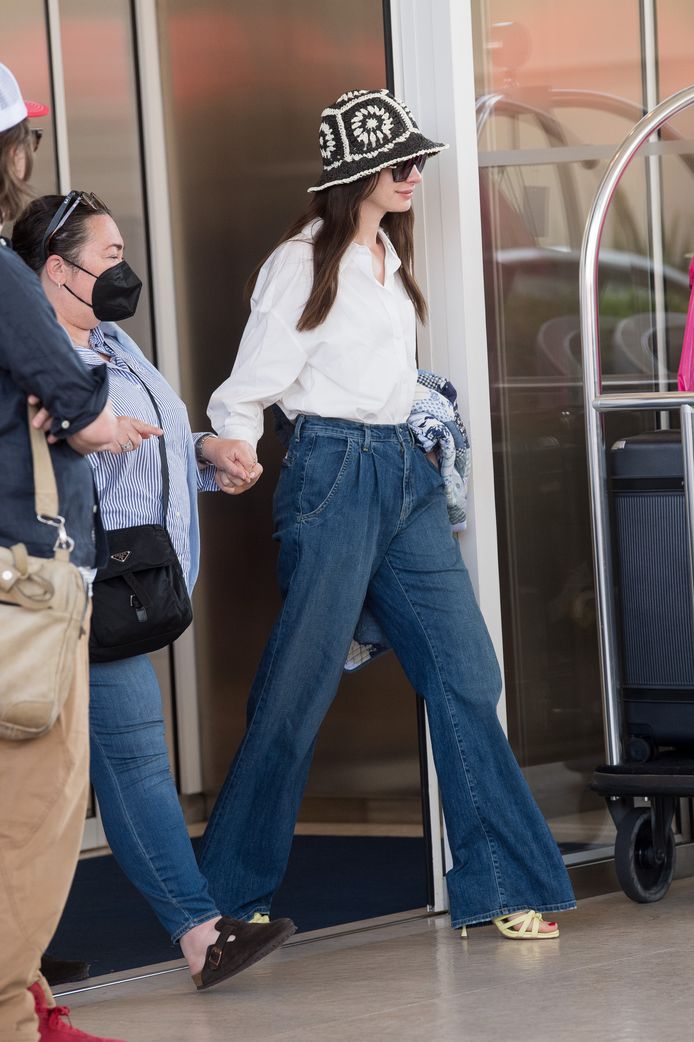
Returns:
point(595, 45)
point(229, 49)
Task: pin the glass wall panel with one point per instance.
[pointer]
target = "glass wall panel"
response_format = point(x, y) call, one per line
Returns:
point(25, 50)
point(244, 85)
point(103, 144)
point(103, 122)
point(675, 28)
point(104, 128)
point(675, 32)
point(555, 99)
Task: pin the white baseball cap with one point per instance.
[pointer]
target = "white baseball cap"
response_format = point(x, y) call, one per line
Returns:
point(13, 107)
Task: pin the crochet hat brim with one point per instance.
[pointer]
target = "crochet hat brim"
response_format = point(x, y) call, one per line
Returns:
point(354, 170)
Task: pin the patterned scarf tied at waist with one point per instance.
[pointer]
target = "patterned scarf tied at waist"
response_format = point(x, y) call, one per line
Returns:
point(437, 427)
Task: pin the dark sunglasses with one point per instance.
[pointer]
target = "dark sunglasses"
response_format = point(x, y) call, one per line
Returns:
point(36, 135)
point(401, 171)
point(68, 206)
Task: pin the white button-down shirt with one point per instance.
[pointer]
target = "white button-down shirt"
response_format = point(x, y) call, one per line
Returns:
point(359, 364)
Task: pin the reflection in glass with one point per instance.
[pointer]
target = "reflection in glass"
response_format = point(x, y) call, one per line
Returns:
point(547, 125)
point(104, 128)
point(25, 50)
point(244, 85)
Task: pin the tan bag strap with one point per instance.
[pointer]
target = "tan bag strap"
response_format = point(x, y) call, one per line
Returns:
point(45, 488)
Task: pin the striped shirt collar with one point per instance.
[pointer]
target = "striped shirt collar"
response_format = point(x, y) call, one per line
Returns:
point(98, 346)
point(97, 341)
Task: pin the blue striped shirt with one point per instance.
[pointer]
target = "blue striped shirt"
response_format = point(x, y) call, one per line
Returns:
point(130, 483)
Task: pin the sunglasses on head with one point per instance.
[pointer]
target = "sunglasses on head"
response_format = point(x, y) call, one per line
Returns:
point(401, 171)
point(36, 135)
point(68, 206)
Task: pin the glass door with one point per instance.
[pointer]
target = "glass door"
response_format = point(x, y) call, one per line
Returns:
point(558, 88)
point(91, 141)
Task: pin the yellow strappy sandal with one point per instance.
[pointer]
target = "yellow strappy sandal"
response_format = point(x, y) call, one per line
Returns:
point(524, 926)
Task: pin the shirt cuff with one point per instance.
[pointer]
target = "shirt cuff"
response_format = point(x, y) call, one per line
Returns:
point(91, 409)
point(205, 479)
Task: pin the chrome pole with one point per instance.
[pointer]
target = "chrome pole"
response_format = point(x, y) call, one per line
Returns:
point(653, 401)
point(592, 388)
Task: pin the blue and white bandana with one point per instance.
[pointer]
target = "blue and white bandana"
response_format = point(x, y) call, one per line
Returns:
point(437, 427)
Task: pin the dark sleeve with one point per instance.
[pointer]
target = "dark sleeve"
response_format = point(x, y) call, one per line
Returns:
point(36, 352)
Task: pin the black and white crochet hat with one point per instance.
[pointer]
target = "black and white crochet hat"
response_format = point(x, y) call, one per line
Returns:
point(364, 132)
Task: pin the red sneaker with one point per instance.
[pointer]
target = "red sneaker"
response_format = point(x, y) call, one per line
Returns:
point(54, 1022)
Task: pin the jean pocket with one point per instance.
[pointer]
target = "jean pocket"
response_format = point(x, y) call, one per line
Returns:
point(430, 463)
point(327, 459)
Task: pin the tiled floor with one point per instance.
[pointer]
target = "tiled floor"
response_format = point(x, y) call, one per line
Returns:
point(620, 973)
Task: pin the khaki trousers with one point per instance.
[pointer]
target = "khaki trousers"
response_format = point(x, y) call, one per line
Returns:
point(43, 797)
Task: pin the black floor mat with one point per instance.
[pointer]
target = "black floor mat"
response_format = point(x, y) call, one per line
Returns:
point(330, 880)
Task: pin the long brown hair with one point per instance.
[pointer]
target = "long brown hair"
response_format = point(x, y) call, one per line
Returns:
point(338, 209)
point(14, 190)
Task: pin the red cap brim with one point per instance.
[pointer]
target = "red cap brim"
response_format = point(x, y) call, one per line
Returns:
point(36, 109)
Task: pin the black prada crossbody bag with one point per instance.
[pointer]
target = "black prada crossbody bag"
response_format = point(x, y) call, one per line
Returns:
point(141, 601)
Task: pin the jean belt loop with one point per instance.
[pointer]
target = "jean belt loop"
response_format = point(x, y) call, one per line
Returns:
point(413, 440)
point(298, 425)
point(367, 437)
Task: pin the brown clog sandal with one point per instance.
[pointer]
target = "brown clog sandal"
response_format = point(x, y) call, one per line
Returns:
point(239, 946)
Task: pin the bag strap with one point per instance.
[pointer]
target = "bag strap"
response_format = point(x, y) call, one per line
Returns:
point(46, 502)
point(45, 488)
point(161, 444)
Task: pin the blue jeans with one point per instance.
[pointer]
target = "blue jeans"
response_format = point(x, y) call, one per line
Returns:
point(360, 515)
point(137, 795)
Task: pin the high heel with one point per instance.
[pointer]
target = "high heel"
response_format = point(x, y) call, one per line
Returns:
point(524, 926)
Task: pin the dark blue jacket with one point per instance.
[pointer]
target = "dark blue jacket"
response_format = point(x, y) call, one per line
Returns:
point(36, 357)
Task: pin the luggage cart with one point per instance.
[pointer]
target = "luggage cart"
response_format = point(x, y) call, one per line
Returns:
point(645, 846)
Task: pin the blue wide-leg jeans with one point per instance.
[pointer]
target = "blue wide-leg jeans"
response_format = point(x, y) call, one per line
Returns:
point(361, 518)
point(137, 795)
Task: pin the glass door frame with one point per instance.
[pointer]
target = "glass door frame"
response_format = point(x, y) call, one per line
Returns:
point(433, 70)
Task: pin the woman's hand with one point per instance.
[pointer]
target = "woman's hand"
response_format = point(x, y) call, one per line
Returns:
point(131, 432)
point(43, 419)
point(235, 486)
point(236, 464)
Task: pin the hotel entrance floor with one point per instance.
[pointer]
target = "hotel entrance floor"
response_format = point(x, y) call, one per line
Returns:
point(620, 972)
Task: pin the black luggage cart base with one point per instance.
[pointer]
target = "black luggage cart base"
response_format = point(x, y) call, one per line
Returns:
point(645, 844)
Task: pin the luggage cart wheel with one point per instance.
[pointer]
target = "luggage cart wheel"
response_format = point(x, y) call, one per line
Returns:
point(644, 867)
point(639, 749)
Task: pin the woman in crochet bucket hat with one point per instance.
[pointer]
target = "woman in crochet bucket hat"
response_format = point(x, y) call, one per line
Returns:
point(361, 518)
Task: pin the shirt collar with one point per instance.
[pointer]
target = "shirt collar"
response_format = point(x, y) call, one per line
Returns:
point(392, 261)
point(98, 346)
point(97, 341)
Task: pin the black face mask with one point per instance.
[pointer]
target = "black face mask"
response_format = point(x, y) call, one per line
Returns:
point(115, 294)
